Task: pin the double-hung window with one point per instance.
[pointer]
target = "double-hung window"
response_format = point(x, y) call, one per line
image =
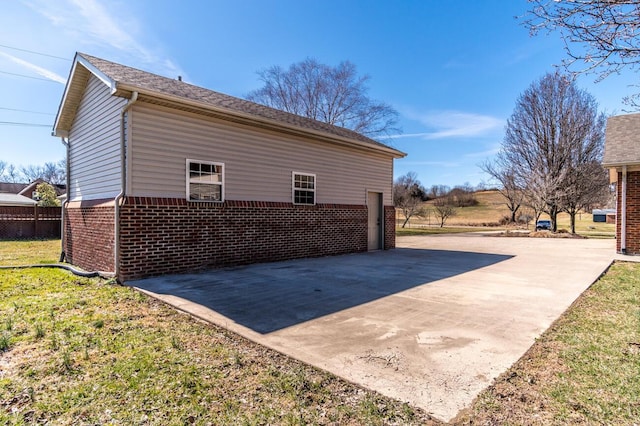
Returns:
point(303, 188)
point(205, 181)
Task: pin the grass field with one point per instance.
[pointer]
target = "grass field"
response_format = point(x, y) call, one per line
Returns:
point(491, 210)
point(14, 253)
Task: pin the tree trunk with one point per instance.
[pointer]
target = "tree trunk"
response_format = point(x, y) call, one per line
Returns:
point(572, 215)
point(553, 214)
point(513, 213)
point(406, 219)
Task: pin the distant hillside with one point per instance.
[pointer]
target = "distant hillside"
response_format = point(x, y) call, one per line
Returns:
point(491, 210)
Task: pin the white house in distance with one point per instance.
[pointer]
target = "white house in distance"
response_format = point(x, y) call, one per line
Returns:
point(167, 177)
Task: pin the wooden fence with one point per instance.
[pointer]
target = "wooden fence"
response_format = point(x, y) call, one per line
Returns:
point(29, 222)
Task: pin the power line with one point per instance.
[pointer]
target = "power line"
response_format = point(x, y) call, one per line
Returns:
point(35, 53)
point(26, 110)
point(14, 123)
point(28, 76)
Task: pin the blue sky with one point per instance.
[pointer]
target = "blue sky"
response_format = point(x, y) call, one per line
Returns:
point(453, 70)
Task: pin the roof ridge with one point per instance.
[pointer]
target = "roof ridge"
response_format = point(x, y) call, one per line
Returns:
point(135, 77)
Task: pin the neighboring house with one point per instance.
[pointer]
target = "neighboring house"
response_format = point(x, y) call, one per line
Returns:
point(604, 215)
point(11, 200)
point(622, 158)
point(167, 177)
point(20, 215)
point(28, 189)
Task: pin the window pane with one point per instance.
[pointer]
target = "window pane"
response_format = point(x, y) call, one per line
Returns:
point(303, 197)
point(199, 191)
point(303, 181)
point(205, 181)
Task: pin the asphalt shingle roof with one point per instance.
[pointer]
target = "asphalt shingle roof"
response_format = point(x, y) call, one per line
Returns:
point(622, 140)
point(145, 81)
point(15, 200)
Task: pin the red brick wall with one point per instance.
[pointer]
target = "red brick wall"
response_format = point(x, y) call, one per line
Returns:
point(89, 231)
point(166, 235)
point(389, 227)
point(633, 213)
point(161, 236)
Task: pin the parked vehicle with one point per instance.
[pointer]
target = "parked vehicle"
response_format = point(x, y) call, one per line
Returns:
point(543, 225)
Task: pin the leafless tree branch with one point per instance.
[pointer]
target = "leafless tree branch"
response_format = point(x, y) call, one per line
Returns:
point(335, 95)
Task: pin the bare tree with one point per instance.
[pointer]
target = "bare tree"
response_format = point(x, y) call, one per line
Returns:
point(600, 36)
point(334, 95)
point(463, 196)
point(587, 185)
point(552, 122)
point(437, 191)
point(54, 173)
point(535, 193)
point(443, 209)
point(504, 173)
point(408, 195)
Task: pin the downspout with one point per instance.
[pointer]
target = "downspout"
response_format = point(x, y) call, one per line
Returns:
point(63, 236)
point(123, 183)
point(623, 207)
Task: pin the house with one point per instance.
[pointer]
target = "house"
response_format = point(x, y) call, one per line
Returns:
point(622, 158)
point(167, 177)
point(20, 215)
point(11, 200)
point(604, 215)
point(28, 190)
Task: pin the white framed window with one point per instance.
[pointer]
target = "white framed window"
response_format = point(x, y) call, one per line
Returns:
point(205, 181)
point(303, 188)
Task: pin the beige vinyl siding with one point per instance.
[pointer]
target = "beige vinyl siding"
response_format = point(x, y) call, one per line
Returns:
point(258, 162)
point(95, 144)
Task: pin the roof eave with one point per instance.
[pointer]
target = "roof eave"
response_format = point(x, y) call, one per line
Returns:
point(58, 130)
point(612, 165)
point(249, 118)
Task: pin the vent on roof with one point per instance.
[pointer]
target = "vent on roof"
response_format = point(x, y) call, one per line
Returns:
point(179, 78)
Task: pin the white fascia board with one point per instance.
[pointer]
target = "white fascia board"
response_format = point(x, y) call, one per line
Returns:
point(86, 64)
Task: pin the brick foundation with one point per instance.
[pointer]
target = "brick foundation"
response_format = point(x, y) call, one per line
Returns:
point(389, 227)
point(89, 232)
point(633, 213)
point(166, 235)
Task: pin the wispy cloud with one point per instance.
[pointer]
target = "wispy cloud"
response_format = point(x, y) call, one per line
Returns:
point(43, 72)
point(487, 153)
point(446, 164)
point(96, 26)
point(454, 124)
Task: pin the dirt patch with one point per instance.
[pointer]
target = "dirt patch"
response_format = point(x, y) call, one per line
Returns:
point(518, 396)
point(539, 234)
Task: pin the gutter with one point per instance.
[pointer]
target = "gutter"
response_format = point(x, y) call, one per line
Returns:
point(63, 236)
point(623, 207)
point(123, 183)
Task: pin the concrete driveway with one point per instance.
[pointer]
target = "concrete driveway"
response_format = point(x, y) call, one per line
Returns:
point(431, 323)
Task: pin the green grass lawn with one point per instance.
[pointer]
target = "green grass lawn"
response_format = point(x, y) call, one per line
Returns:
point(15, 253)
